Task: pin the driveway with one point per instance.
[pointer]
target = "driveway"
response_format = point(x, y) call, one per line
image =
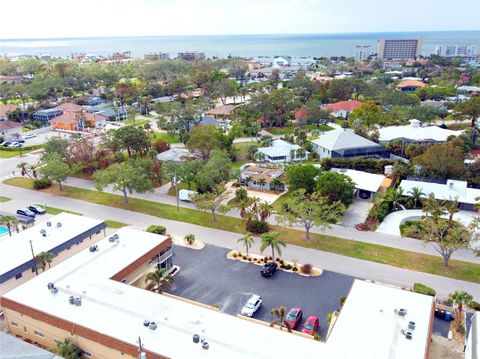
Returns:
point(357, 212)
point(207, 276)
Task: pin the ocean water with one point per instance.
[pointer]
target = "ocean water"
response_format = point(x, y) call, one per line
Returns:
point(237, 45)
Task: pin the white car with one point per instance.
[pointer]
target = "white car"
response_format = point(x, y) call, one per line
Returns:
point(252, 305)
point(14, 144)
point(29, 135)
point(186, 195)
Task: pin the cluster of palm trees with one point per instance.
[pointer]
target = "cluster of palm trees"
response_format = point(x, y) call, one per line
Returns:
point(460, 299)
point(11, 222)
point(159, 279)
point(44, 259)
point(275, 183)
point(269, 239)
point(27, 170)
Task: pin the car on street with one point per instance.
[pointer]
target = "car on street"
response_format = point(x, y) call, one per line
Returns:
point(36, 209)
point(251, 305)
point(293, 317)
point(26, 212)
point(268, 269)
point(5, 143)
point(29, 135)
point(311, 325)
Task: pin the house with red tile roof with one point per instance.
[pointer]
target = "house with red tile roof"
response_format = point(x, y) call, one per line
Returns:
point(343, 108)
point(69, 107)
point(5, 110)
point(410, 85)
point(9, 129)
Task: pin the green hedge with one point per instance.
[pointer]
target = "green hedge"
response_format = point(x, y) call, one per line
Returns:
point(423, 289)
point(17, 149)
point(157, 229)
point(371, 165)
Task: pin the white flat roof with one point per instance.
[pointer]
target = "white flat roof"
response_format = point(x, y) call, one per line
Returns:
point(448, 191)
point(369, 328)
point(15, 250)
point(118, 310)
point(409, 132)
point(363, 180)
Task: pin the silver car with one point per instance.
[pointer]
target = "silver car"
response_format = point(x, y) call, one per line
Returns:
point(251, 305)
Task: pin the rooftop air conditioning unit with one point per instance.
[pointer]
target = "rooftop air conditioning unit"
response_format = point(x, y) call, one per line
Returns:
point(205, 345)
point(50, 285)
point(71, 300)
point(54, 290)
point(49, 224)
point(78, 301)
point(93, 248)
point(59, 224)
point(43, 232)
point(146, 323)
point(152, 326)
point(111, 239)
point(401, 312)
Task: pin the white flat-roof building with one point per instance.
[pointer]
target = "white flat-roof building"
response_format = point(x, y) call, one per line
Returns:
point(452, 189)
point(282, 151)
point(371, 324)
point(57, 234)
point(364, 181)
point(416, 133)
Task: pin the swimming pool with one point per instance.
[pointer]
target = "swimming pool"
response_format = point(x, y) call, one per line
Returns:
point(3, 230)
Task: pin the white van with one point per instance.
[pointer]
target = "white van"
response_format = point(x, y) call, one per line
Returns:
point(186, 195)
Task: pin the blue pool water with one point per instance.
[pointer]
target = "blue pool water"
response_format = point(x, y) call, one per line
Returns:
point(3, 230)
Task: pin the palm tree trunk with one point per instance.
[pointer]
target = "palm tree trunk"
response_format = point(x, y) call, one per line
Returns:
point(273, 253)
point(9, 229)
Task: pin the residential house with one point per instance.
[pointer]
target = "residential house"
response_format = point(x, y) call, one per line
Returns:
point(343, 108)
point(343, 143)
point(410, 85)
point(366, 184)
point(257, 177)
point(445, 191)
point(415, 133)
point(74, 120)
point(45, 116)
point(175, 155)
point(469, 90)
point(6, 109)
point(281, 151)
point(222, 112)
point(10, 129)
point(113, 113)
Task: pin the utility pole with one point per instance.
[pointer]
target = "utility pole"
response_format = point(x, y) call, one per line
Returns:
point(142, 354)
point(33, 257)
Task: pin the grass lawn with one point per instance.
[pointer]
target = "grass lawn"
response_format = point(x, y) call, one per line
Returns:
point(115, 224)
point(4, 199)
point(281, 199)
point(287, 130)
point(242, 148)
point(165, 137)
point(136, 122)
point(361, 250)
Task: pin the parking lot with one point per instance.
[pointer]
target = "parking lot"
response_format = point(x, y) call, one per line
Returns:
point(207, 276)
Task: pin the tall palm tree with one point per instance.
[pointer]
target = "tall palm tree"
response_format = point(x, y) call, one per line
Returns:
point(10, 222)
point(159, 278)
point(276, 183)
point(247, 241)
point(262, 182)
point(22, 166)
point(434, 208)
point(460, 298)
point(394, 196)
point(416, 194)
point(270, 239)
point(452, 207)
point(264, 210)
point(280, 313)
point(44, 259)
point(248, 179)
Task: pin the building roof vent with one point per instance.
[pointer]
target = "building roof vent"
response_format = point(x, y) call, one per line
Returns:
point(401, 312)
point(78, 301)
point(152, 326)
point(59, 224)
point(49, 224)
point(411, 325)
point(43, 232)
point(205, 345)
point(146, 323)
point(54, 290)
point(50, 285)
point(93, 248)
point(196, 338)
point(71, 299)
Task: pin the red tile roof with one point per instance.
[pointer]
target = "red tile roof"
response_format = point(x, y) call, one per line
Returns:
point(4, 109)
point(343, 105)
point(69, 107)
point(411, 83)
point(8, 125)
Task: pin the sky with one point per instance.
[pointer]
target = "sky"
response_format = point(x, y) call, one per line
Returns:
point(95, 18)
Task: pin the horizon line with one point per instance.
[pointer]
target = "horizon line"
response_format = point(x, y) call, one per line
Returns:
point(258, 34)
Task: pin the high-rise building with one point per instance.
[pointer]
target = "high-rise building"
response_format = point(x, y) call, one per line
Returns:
point(458, 50)
point(363, 52)
point(157, 56)
point(191, 56)
point(405, 49)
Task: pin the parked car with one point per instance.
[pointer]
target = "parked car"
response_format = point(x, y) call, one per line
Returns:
point(268, 269)
point(186, 195)
point(36, 209)
point(251, 305)
point(21, 140)
point(26, 212)
point(293, 317)
point(15, 145)
point(5, 143)
point(29, 135)
point(311, 325)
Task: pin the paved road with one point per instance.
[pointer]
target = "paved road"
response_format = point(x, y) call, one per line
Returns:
point(332, 262)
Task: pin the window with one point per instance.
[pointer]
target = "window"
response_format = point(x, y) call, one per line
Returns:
point(14, 324)
point(18, 276)
point(38, 334)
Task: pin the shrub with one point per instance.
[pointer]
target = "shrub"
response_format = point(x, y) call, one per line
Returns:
point(270, 258)
point(189, 238)
point(412, 229)
point(460, 328)
point(257, 226)
point(316, 336)
point(288, 266)
point(282, 266)
point(281, 261)
point(423, 289)
point(277, 259)
point(341, 301)
point(157, 229)
point(160, 146)
point(265, 259)
point(371, 165)
point(42, 183)
point(241, 194)
point(329, 318)
point(295, 269)
point(249, 259)
point(234, 255)
point(474, 305)
point(119, 157)
point(244, 257)
point(306, 268)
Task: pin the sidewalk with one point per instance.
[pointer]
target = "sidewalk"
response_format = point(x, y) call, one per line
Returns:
point(333, 262)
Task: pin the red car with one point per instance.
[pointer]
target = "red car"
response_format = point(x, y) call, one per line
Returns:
point(311, 325)
point(293, 317)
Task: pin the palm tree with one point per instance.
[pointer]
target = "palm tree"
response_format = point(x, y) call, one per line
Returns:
point(460, 298)
point(280, 313)
point(416, 194)
point(275, 183)
point(9, 221)
point(452, 207)
point(292, 155)
point(270, 239)
point(44, 259)
point(247, 241)
point(301, 153)
point(394, 196)
point(33, 170)
point(69, 350)
point(434, 208)
point(247, 180)
point(262, 182)
point(22, 166)
point(264, 210)
point(159, 279)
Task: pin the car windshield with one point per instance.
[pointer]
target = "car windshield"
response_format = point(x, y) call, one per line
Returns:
point(250, 305)
point(309, 325)
point(291, 316)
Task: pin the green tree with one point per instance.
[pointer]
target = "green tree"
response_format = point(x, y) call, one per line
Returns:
point(335, 187)
point(44, 259)
point(280, 314)
point(307, 210)
point(416, 193)
point(10, 222)
point(56, 144)
point(460, 299)
point(133, 139)
point(270, 239)
point(394, 197)
point(159, 279)
point(68, 350)
point(369, 114)
point(443, 160)
point(212, 201)
point(55, 169)
point(301, 177)
point(261, 182)
point(215, 172)
point(203, 139)
point(125, 177)
point(469, 109)
point(433, 208)
point(247, 241)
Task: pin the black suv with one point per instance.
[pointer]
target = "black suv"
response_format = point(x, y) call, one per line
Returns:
point(268, 269)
